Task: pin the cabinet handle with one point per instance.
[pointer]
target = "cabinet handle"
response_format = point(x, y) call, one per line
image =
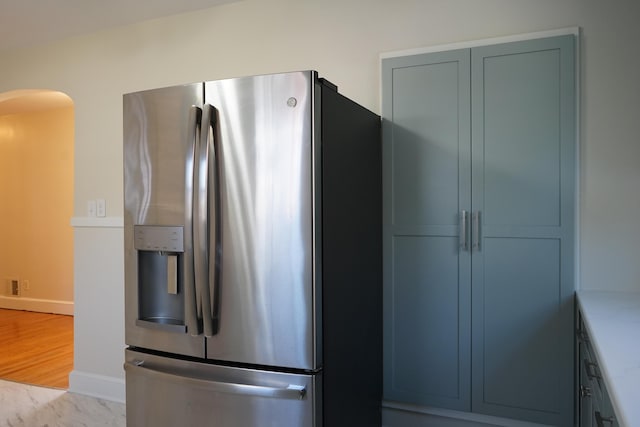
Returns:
point(475, 245)
point(585, 391)
point(592, 368)
point(600, 420)
point(463, 231)
point(582, 335)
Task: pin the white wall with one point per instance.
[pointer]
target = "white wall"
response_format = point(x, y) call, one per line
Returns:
point(99, 317)
point(342, 40)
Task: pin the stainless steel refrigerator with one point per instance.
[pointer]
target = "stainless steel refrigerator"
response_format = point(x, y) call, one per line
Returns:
point(252, 255)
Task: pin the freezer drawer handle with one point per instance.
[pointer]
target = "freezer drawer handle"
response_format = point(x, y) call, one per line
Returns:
point(289, 392)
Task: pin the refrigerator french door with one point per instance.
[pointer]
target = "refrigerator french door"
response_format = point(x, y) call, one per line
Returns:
point(252, 253)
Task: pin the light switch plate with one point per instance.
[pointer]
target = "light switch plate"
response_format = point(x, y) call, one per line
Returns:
point(101, 208)
point(91, 208)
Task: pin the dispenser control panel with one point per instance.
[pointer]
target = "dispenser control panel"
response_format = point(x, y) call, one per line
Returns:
point(160, 238)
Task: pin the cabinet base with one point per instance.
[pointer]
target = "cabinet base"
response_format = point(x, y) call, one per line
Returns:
point(396, 414)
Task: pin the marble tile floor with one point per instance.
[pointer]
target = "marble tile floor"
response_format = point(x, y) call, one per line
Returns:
point(24, 405)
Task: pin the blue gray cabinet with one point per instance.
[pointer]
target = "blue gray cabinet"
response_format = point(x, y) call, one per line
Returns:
point(594, 405)
point(427, 183)
point(479, 189)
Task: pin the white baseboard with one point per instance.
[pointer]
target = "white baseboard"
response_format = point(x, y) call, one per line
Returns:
point(100, 386)
point(36, 304)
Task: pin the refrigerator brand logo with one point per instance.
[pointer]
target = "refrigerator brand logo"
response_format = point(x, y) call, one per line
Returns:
point(292, 102)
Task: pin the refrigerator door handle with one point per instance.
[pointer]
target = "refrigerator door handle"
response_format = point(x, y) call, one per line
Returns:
point(289, 391)
point(207, 222)
point(192, 308)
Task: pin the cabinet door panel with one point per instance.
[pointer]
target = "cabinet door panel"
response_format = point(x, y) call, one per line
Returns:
point(426, 169)
point(523, 186)
point(519, 350)
point(425, 144)
point(425, 318)
point(522, 139)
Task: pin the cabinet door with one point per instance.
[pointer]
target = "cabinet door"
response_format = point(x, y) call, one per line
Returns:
point(523, 142)
point(585, 389)
point(426, 170)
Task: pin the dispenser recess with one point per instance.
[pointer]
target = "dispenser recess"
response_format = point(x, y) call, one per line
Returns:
point(160, 264)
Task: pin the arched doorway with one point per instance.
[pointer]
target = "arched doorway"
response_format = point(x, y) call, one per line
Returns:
point(36, 238)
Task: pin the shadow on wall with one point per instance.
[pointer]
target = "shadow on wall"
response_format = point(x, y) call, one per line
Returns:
point(36, 201)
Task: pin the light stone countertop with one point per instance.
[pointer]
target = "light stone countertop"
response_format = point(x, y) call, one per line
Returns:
point(612, 320)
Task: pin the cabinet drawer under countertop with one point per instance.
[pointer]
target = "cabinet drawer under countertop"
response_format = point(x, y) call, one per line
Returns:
point(609, 347)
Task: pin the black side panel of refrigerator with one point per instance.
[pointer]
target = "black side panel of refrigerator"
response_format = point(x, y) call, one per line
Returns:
point(352, 262)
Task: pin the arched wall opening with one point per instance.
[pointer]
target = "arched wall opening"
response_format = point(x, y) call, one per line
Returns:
point(36, 201)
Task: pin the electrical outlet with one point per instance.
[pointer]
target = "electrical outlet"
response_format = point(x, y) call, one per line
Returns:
point(13, 286)
point(26, 285)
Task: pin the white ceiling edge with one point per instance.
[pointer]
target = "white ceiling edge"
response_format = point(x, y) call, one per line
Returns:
point(29, 23)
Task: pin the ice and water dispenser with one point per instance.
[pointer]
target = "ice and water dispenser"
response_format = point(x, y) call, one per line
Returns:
point(160, 251)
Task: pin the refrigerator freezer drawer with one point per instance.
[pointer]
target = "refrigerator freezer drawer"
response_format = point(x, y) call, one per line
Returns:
point(165, 392)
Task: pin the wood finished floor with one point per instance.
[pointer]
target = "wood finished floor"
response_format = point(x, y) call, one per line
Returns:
point(36, 348)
